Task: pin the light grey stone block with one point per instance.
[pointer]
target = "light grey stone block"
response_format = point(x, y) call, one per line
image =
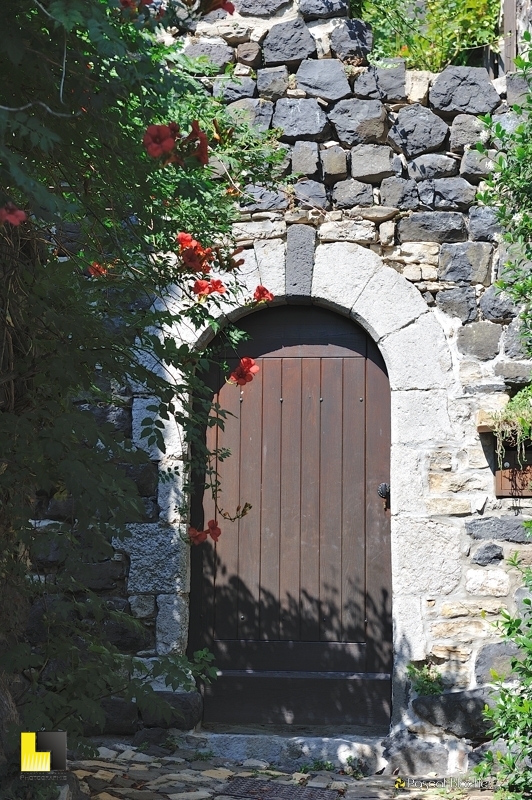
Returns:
point(158, 559)
point(171, 625)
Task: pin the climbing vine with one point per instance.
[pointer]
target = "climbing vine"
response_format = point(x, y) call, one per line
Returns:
point(114, 233)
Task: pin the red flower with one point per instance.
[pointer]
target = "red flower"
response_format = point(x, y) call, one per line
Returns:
point(217, 286)
point(96, 270)
point(244, 372)
point(10, 213)
point(202, 288)
point(186, 240)
point(128, 3)
point(223, 4)
point(201, 151)
point(158, 140)
point(197, 537)
point(213, 530)
point(262, 294)
point(173, 127)
point(195, 257)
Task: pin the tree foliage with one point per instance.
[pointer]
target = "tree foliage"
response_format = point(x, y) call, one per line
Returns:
point(93, 287)
point(433, 34)
point(509, 191)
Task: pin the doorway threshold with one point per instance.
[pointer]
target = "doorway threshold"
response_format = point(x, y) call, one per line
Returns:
point(294, 746)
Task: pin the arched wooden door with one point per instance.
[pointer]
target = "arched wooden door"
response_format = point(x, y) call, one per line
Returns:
point(295, 599)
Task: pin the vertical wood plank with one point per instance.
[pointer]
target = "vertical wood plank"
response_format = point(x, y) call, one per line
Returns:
point(290, 498)
point(378, 562)
point(226, 593)
point(310, 500)
point(331, 499)
point(353, 500)
point(271, 499)
point(250, 491)
point(510, 34)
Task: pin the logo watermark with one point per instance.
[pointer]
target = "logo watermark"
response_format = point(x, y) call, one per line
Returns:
point(453, 782)
point(43, 755)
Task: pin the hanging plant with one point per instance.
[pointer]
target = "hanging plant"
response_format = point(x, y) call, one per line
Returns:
point(513, 425)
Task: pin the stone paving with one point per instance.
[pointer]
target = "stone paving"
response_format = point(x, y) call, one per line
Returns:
point(130, 773)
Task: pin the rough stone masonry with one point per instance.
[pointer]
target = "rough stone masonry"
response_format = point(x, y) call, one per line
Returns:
point(380, 224)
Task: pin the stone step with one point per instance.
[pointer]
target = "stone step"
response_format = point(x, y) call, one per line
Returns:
point(288, 751)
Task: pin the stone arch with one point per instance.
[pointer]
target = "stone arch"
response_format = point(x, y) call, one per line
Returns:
point(353, 281)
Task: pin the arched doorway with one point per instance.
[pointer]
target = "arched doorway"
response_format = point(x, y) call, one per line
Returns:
point(295, 599)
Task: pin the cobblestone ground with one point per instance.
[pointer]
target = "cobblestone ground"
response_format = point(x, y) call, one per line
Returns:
point(134, 774)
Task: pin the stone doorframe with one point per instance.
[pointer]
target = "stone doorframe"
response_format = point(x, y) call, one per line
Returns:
point(351, 280)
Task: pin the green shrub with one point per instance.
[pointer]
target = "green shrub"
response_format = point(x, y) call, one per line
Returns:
point(430, 35)
point(425, 679)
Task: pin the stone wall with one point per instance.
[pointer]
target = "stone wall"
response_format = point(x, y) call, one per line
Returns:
point(375, 216)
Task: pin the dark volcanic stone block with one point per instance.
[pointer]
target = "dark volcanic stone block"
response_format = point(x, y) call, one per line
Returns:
point(255, 111)
point(374, 162)
point(349, 193)
point(272, 82)
point(323, 9)
point(218, 52)
point(436, 226)
point(466, 262)
point(352, 38)
point(325, 78)
point(359, 121)
point(432, 165)
point(483, 224)
point(259, 8)
point(417, 130)
point(497, 305)
point(288, 43)
point(459, 713)
point(481, 339)
point(187, 710)
point(300, 246)
point(231, 90)
point(300, 119)
point(386, 84)
point(507, 529)
point(459, 302)
point(311, 194)
point(460, 90)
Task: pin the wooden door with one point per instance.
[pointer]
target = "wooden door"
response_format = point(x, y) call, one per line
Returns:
point(294, 600)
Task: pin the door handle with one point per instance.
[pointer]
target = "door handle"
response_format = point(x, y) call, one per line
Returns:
point(383, 490)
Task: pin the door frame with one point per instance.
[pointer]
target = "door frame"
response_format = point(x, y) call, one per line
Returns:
point(353, 281)
point(378, 620)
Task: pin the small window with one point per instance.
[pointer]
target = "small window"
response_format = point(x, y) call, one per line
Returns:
point(514, 479)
